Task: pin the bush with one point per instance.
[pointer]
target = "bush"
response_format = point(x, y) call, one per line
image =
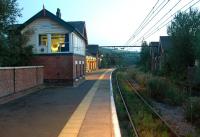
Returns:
point(157, 88)
point(192, 109)
point(15, 53)
point(139, 76)
point(162, 90)
point(174, 96)
point(197, 77)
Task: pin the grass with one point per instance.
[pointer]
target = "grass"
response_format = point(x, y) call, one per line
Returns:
point(166, 91)
point(146, 123)
point(122, 116)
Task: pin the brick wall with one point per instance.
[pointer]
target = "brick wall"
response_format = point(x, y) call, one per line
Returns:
point(60, 68)
point(16, 79)
point(6, 82)
point(55, 67)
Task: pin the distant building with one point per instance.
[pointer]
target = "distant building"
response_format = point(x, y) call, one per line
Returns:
point(92, 58)
point(58, 45)
point(154, 54)
point(165, 44)
point(159, 52)
point(164, 47)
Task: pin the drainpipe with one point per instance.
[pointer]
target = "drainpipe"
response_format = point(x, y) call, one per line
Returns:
point(14, 79)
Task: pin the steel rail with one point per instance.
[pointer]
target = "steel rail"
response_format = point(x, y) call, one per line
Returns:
point(127, 111)
point(174, 134)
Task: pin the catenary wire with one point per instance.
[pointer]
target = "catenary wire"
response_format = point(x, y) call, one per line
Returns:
point(145, 36)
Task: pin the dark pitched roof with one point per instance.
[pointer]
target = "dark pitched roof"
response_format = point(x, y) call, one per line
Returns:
point(89, 54)
point(93, 49)
point(14, 26)
point(165, 42)
point(46, 13)
point(79, 25)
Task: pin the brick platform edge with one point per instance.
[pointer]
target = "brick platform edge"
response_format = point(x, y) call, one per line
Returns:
point(115, 122)
point(20, 94)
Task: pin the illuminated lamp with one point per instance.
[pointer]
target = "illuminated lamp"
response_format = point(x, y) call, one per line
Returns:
point(54, 47)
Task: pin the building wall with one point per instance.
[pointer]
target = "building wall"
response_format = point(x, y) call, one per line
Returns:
point(79, 45)
point(47, 26)
point(79, 66)
point(43, 25)
point(16, 79)
point(61, 68)
point(91, 63)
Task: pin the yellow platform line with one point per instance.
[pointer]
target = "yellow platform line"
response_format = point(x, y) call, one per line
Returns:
point(72, 127)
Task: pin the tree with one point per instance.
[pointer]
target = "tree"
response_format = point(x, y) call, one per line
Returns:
point(145, 56)
point(17, 53)
point(12, 49)
point(183, 30)
point(197, 53)
point(197, 47)
point(9, 12)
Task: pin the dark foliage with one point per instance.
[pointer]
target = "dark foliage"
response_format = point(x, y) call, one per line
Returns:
point(145, 57)
point(12, 50)
point(183, 29)
point(117, 58)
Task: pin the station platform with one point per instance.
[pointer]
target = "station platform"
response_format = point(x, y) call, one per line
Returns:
point(87, 110)
point(96, 115)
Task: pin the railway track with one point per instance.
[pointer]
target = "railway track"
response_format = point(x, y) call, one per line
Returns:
point(135, 132)
point(154, 113)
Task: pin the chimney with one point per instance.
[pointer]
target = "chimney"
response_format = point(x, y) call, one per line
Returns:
point(58, 13)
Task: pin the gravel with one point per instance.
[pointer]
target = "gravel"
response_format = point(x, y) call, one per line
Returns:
point(175, 116)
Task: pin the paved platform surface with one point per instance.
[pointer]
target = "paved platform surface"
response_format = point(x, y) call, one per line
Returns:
point(92, 118)
point(83, 111)
point(98, 120)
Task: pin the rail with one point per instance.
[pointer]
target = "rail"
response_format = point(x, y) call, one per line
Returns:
point(127, 111)
point(173, 133)
point(134, 128)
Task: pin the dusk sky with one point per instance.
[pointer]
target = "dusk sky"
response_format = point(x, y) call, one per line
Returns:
point(108, 22)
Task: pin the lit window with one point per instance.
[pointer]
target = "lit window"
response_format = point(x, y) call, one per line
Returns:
point(43, 40)
point(59, 42)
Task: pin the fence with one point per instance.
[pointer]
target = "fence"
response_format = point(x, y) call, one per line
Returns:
point(16, 79)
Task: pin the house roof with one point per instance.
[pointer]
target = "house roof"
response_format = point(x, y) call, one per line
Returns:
point(79, 25)
point(89, 54)
point(165, 42)
point(76, 27)
point(93, 49)
point(14, 26)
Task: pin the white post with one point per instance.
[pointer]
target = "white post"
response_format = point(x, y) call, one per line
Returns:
point(49, 43)
point(35, 49)
point(71, 43)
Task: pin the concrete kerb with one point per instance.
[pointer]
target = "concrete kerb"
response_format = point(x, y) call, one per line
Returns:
point(115, 121)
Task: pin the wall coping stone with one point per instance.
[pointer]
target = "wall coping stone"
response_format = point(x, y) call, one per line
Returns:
point(21, 67)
